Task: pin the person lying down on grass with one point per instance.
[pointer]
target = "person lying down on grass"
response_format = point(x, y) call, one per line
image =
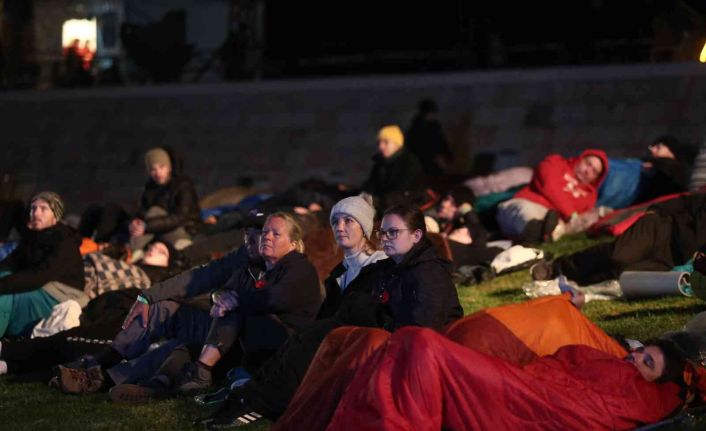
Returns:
point(490, 370)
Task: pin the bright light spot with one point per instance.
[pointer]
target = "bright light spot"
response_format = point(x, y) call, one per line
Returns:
point(83, 30)
point(702, 57)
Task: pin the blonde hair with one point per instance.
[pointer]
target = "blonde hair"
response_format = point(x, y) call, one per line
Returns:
point(295, 232)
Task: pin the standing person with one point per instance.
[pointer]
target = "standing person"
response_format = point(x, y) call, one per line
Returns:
point(48, 253)
point(426, 140)
point(169, 208)
point(413, 288)
point(396, 176)
point(561, 189)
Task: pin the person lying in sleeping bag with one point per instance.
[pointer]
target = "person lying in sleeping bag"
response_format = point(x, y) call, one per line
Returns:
point(516, 334)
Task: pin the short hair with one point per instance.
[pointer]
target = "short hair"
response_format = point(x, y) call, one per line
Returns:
point(295, 231)
point(411, 215)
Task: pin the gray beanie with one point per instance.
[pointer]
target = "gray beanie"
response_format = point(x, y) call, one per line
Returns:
point(157, 156)
point(360, 208)
point(53, 200)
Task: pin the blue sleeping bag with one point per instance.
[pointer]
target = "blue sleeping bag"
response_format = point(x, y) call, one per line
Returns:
point(621, 186)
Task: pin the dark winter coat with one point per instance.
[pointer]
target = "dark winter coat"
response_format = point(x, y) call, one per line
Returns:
point(354, 305)
point(397, 179)
point(48, 255)
point(688, 217)
point(177, 197)
point(290, 290)
point(418, 291)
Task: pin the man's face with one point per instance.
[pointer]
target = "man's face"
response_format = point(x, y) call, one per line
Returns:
point(588, 169)
point(252, 242)
point(160, 173)
point(649, 361)
point(387, 148)
point(661, 151)
point(447, 209)
point(41, 215)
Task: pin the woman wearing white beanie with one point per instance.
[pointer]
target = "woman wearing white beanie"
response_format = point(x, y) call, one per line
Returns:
point(352, 221)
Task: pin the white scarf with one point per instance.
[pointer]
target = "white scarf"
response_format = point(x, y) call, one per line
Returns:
point(354, 263)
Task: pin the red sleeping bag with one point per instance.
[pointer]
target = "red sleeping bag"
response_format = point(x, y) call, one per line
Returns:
point(617, 222)
point(421, 380)
point(517, 333)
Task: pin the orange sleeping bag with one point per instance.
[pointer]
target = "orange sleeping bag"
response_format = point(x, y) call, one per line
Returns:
point(517, 333)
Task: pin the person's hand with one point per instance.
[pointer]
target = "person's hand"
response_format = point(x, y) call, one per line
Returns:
point(137, 227)
point(301, 210)
point(138, 309)
point(223, 302)
point(462, 235)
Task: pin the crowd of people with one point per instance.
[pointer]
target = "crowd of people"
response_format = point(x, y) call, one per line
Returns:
point(364, 331)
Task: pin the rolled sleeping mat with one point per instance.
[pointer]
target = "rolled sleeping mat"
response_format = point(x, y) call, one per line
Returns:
point(647, 284)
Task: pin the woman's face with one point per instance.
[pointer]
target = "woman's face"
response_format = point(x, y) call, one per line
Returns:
point(396, 237)
point(157, 254)
point(275, 242)
point(348, 233)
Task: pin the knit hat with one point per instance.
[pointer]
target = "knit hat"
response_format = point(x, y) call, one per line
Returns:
point(392, 133)
point(53, 200)
point(157, 156)
point(360, 208)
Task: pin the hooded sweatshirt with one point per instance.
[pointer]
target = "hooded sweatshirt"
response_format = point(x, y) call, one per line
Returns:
point(554, 185)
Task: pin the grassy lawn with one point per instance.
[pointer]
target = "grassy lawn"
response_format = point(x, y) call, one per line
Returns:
point(36, 407)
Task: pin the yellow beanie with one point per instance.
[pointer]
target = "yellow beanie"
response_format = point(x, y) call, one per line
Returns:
point(393, 134)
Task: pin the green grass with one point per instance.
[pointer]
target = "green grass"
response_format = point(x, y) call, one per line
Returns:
point(36, 407)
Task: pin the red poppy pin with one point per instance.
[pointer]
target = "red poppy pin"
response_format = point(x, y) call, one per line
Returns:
point(259, 284)
point(383, 297)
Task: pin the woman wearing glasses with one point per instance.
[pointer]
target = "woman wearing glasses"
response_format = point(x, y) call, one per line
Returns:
point(412, 287)
point(418, 289)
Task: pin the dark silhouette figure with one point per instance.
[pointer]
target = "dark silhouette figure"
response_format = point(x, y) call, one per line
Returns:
point(426, 140)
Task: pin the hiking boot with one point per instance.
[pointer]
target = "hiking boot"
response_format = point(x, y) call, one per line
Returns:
point(149, 390)
point(235, 413)
point(194, 378)
point(79, 381)
point(542, 270)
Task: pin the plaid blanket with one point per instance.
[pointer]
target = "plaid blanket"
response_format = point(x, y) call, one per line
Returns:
point(104, 274)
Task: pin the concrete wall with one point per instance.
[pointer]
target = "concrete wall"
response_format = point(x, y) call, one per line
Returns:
point(88, 144)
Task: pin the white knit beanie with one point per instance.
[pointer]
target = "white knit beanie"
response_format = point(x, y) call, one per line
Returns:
point(360, 208)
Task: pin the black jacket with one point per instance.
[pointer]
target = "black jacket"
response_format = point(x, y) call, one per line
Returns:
point(688, 218)
point(397, 179)
point(177, 197)
point(355, 305)
point(290, 290)
point(418, 291)
point(425, 139)
point(51, 254)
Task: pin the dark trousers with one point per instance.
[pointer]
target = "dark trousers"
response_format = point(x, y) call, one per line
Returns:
point(257, 338)
point(646, 246)
point(273, 385)
point(178, 323)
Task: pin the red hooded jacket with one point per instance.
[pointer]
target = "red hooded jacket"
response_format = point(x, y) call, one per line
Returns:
point(554, 185)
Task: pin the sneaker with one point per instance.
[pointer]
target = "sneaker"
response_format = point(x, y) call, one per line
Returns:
point(144, 392)
point(79, 381)
point(542, 270)
point(235, 378)
point(193, 379)
point(235, 413)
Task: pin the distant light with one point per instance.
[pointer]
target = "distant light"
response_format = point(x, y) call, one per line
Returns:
point(83, 30)
point(702, 57)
